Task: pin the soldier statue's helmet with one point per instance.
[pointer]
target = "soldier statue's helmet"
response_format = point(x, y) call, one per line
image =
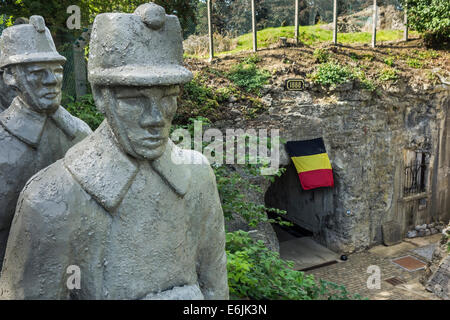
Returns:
point(25, 43)
point(143, 48)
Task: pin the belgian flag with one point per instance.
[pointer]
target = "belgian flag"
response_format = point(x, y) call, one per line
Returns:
point(312, 163)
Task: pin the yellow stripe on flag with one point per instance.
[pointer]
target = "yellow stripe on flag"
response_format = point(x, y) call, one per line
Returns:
point(313, 162)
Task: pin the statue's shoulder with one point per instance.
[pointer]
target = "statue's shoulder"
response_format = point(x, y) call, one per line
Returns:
point(193, 161)
point(47, 194)
point(11, 148)
point(201, 173)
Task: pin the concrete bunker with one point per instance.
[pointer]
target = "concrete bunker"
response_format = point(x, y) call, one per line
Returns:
point(305, 208)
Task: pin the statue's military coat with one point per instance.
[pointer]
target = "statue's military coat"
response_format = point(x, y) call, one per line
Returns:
point(29, 142)
point(134, 228)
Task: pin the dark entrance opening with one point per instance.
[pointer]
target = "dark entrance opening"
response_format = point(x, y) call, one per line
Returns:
point(306, 209)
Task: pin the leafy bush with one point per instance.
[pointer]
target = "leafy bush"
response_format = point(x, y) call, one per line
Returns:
point(321, 55)
point(354, 56)
point(198, 98)
point(389, 61)
point(332, 73)
point(231, 185)
point(388, 74)
point(366, 83)
point(248, 76)
point(256, 272)
point(254, 58)
point(414, 63)
point(85, 109)
point(202, 96)
point(432, 18)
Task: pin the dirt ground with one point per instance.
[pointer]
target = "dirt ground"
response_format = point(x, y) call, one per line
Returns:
point(413, 61)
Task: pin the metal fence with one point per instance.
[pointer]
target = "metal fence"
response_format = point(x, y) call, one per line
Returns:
point(221, 25)
point(219, 22)
point(416, 175)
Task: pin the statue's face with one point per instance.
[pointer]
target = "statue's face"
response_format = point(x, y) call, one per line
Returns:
point(141, 118)
point(39, 85)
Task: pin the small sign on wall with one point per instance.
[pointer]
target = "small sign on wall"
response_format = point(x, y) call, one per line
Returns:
point(294, 85)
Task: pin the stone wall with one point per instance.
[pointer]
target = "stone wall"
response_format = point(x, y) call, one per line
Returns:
point(370, 137)
point(437, 273)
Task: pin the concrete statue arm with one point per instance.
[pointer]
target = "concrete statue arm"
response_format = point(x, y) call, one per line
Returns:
point(34, 265)
point(212, 269)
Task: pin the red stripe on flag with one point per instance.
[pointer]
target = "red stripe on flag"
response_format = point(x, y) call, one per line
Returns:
point(316, 179)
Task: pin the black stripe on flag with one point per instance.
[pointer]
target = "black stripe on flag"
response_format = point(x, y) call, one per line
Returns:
point(305, 147)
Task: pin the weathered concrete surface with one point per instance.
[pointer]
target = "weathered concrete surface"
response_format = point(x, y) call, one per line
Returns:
point(305, 253)
point(369, 138)
point(7, 94)
point(35, 130)
point(146, 233)
point(139, 216)
point(437, 274)
point(391, 233)
point(427, 251)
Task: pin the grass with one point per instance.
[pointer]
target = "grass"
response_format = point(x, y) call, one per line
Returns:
point(310, 35)
point(248, 76)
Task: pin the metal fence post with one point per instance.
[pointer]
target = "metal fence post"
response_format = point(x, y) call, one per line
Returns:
point(405, 21)
point(296, 21)
point(374, 29)
point(255, 48)
point(335, 22)
point(210, 31)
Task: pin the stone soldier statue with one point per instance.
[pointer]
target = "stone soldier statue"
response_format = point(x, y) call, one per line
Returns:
point(35, 130)
point(7, 94)
point(124, 207)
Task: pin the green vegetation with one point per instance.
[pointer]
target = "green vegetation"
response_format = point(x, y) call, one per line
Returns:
point(388, 74)
point(414, 63)
point(54, 12)
point(448, 240)
point(432, 18)
point(332, 73)
point(248, 76)
point(201, 97)
point(255, 272)
point(231, 186)
point(85, 109)
point(365, 82)
point(321, 55)
point(354, 56)
point(311, 35)
point(389, 61)
point(426, 54)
